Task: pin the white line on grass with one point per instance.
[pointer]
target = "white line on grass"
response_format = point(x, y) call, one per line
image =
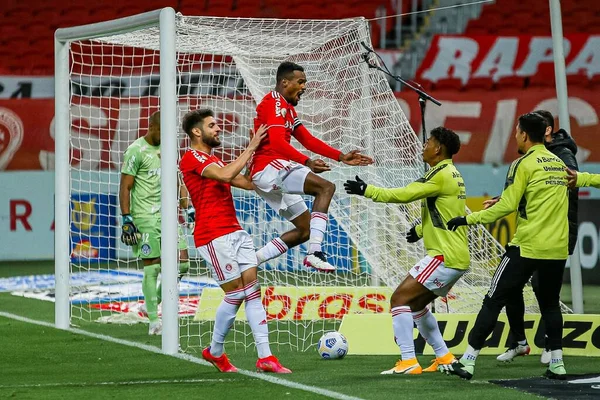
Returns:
point(269, 378)
point(126, 383)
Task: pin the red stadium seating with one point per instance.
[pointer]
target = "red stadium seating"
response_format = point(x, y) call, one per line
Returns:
point(533, 17)
point(510, 82)
point(578, 80)
point(452, 84)
point(480, 84)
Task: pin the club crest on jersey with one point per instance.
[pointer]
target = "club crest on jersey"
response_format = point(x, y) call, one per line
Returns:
point(228, 267)
point(146, 249)
point(283, 112)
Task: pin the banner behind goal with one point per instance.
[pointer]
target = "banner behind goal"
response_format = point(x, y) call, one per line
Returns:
point(228, 65)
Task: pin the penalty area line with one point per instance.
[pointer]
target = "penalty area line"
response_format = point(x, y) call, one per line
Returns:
point(265, 377)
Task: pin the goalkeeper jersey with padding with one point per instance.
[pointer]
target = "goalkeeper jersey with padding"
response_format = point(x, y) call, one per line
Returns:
point(142, 160)
point(536, 187)
point(443, 195)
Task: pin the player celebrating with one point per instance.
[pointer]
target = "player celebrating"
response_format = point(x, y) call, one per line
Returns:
point(139, 198)
point(220, 239)
point(281, 173)
point(442, 193)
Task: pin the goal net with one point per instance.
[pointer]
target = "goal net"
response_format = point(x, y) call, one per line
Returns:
point(228, 65)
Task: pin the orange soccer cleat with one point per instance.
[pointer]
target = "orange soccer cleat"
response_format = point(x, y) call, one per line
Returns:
point(271, 364)
point(443, 360)
point(221, 363)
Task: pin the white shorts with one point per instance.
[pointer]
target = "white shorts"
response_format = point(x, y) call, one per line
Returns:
point(280, 184)
point(435, 276)
point(229, 255)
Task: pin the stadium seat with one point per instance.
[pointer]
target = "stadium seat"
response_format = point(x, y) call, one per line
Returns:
point(540, 80)
point(510, 82)
point(594, 82)
point(580, 80)
point(452, 84)
point(18, 13)
point(480, 84)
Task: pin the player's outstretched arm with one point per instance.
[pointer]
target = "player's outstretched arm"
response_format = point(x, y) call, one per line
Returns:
point(417, 190)
point(231, 171)
point(355, 158)
point(582, 179)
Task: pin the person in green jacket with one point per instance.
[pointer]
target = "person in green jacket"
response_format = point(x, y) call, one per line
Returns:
point(442, 193)
point(536, 187)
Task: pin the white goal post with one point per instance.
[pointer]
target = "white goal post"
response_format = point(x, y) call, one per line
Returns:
point(164, 20)
point(112, 75)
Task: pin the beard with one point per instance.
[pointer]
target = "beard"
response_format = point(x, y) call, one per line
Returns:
point(211, 141)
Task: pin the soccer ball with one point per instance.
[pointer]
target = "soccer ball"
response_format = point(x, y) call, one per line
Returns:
point(332, 345)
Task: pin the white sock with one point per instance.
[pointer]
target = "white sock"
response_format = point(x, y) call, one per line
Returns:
point(403, 331)
point(470, 355)
point(274, 248)
point(318, 226)
point(429, 329)
point(556, 356)
point(224, 319)
point(257, 318)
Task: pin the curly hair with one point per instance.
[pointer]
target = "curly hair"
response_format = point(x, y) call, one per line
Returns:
point(448, 138)
point(193, 118)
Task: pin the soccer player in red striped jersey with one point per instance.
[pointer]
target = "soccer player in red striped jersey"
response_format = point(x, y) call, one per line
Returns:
point(225, 246)
point(282, 174)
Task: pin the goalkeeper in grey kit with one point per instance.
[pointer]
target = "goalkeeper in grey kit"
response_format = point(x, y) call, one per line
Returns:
point(139, 198)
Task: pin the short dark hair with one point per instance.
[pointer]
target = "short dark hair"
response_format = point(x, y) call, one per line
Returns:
point(193, 118)
point(448, 138)
point(534, 125)
point(286, 69)
point(547, 115)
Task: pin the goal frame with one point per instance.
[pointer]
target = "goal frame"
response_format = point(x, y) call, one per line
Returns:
point(164, 19)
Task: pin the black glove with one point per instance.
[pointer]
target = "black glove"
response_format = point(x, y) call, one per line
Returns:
point(456, 222)
point(129, 234)
point(191, 214)
point(355, 187)
point(411, 236)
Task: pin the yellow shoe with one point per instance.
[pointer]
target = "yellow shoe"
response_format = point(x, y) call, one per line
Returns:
point(443, 360)
point(408, 367)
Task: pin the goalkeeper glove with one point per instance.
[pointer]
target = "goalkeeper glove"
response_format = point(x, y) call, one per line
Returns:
point(191, 214)
point(355, 187)
point(411, 236)
point(129, 234)
point(455, 222)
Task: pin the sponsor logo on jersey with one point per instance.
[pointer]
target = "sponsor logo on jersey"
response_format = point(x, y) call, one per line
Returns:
point(278, 108)
point(283, 112)
point(199, 157)
point(146, 249)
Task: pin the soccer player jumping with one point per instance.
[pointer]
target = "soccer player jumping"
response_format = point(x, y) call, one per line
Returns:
point(442, 194)
point(139, 198)
point(221, 241)
point(281, 173)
